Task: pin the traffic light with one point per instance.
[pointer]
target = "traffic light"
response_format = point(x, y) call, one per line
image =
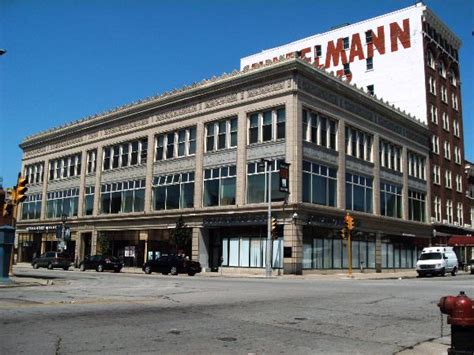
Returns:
point(274, 227)
point(19, 192)
point(348, 222)
point(342, 233)
point(7, 209)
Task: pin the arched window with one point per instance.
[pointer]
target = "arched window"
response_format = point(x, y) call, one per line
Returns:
point(452, 77)
point(442, 69)
point(430, 59)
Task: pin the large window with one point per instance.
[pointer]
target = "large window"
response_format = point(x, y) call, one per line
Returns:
point(358, 193)
point(61, 203)
point(319, 129)
point(219, 186)
point(449, 211)
point(390, 200)
point(257, 190)
point(91, 161)
point(123, 197)
point(89, 200)
point(221, 134)
point(125, 154)
point(398, 256)
point(319, 184)
point(173, 191)
point(358, 144)
point(416, 165)
point(437, 209)
point(34, 173)
point(65, 167)
point(416, 206)
point(31, 207)
point(266, 126)
point(250, 252)
point(390, 155)
point(175, 144)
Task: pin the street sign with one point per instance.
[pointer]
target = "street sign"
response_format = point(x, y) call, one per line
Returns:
point(284, 177)
point(59, 231)
point(67, 233)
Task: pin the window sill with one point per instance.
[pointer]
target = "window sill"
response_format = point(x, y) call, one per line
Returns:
point(174, 159)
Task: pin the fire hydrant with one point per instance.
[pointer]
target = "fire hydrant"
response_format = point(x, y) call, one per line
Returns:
point(460, 313)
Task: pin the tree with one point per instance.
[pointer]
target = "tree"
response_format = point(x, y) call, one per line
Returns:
point(103, 244)
point(180, 236)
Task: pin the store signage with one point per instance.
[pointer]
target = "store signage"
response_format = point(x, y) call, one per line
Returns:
point(326, 221)
point(240, 220)
point(41, 228)
point(284, 177)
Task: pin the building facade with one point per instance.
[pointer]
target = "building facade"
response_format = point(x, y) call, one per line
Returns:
point(127, 175)
point(410, 58)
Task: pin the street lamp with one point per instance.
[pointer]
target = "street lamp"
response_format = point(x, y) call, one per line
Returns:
point(268, 178)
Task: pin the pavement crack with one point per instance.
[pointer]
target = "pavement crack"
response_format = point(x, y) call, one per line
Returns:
point(429, 340)
point(58, 345)
point(379, 300)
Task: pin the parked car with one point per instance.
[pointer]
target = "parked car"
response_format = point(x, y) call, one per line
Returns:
point(471, 265)
point(101, 263)
point(52, 260)
point(172, 264)
point(437, 261)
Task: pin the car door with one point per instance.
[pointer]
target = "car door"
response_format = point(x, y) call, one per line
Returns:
point(86, 262)
point(162, 264)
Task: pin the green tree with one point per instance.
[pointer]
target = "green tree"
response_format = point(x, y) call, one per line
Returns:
point(103, 244)
point(180, 236)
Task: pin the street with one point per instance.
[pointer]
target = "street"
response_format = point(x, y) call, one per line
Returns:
point(90, 312)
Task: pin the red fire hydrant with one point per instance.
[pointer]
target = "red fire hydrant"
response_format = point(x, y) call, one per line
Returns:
point(460, 313)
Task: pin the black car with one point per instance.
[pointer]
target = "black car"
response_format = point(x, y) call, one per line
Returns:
point(51, 260)
point(172, 264)
point(101, 263)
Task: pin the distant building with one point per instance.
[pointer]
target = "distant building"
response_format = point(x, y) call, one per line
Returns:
point(125, 176)
point(409, 58)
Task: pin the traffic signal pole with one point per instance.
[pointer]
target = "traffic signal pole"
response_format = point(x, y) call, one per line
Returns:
point(349, 246)
point(268, 261)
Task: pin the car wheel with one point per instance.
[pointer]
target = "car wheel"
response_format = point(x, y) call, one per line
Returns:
point(50, 266)
point(66, 268)
point(100, 268)
point(443, 273)
point(35, 266)
point(191, 273)
point(147, 270)
point(174, 270)
point(82, 267)
point(455, 271)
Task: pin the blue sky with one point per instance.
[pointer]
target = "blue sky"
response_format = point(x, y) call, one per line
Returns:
point(70, 59)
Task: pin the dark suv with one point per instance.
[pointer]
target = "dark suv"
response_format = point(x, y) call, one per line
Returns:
point(51, 260)
point(101, 263)
point(172, 264)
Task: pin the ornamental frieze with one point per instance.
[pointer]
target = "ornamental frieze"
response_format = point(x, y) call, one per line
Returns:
point(30, 153)
point(179, 112)
point(126, 127)
point(318, 92)
point(221, 101)
point(66, 143)
point(266, 89)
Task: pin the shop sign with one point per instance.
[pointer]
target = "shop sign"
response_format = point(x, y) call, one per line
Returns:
point(241, 220)
point(41, 229)
point(326, 221)
point(130, 251)
point(284, 177)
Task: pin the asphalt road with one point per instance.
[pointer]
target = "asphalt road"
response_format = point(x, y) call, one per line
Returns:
point(84, 313)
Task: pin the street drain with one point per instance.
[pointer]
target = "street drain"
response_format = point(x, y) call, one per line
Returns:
point(227, 339)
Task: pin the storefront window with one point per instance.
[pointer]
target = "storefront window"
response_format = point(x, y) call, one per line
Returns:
point(250, 252)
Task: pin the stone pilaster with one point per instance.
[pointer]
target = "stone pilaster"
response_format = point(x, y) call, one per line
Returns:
point(378, 252)
point(294, 147)
point(80, 208)
point(98, 176)
point(149, 173)
point(44, 192)
point(376, 185)
point(341, 162)
point(198, 176)
point(405, 182)
point(241, 179)
point(293, 238)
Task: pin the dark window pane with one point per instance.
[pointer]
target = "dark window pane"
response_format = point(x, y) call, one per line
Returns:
point(211, 192)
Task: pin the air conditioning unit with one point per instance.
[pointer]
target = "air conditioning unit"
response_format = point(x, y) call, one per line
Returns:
point(456, 223)
point(467, 225)
point(445, 221)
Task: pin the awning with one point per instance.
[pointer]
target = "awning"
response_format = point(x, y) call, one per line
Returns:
point(461, 241)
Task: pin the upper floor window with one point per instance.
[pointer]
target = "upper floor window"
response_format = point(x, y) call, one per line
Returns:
point(449, 211)
point(347, 68)
point(319, 129)
point(173, 191)
point(319, 184)
point(447, 150)
point(445, 119)
point(317, 51)
point(123, 197)
point(65, 167)
point(444, 94)
point(452, 77)
point(442, 69)
point(416, 206)
point(368, 36)
point(369, 63)
point(435, 144)
point(370, 89)
point(437, 209)
point(457, 155)
point(358, 193)
point(456, 131)
point(390, 155)
point(458, 183)
point(219, 186)
point(358, 143)
point(257, 190)
point(89, 200)
point(266, 126)
point(459, 213)
point(448, 179)
point(34, 173)
point(430, 59)
point(31, 207)
point(61, 203)
point(390, 200)
point(416, 165)
point(125, 154)
point(91, 161)
point(175, 144)
point(345, 42)
point(432, 85)
point(221, 134)
point(436, 174)
point(454, 101)
point(434, 114)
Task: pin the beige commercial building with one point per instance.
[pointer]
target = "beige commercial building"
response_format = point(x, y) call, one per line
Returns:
point(127, 175)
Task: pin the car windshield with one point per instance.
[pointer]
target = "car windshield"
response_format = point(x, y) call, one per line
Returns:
point(431, 256)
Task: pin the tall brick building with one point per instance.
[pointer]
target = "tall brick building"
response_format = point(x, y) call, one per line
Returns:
point(410, 58)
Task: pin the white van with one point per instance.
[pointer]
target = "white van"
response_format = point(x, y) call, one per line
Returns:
point(437, 261)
